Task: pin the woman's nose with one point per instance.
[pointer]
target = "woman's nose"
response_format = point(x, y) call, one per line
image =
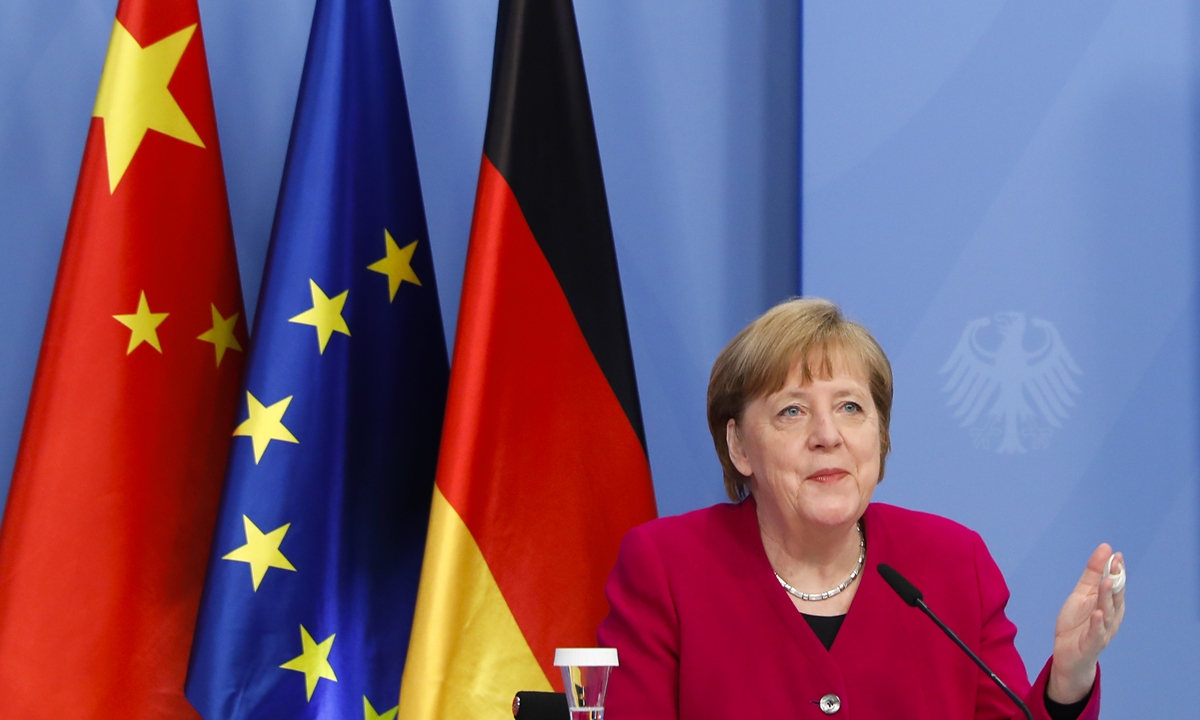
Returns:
point(824, 432)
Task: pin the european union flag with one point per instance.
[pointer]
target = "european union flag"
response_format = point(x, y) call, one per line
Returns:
point(318, 546)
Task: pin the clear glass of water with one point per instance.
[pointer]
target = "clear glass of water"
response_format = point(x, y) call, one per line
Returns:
point(585, 674)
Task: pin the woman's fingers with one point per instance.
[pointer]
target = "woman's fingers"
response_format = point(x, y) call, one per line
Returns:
point(1118, 568)
point(1094, 640)
point(1104, 599)
point(1106, 618)
point(1094, 572)
point(1089, 619)
point(1112, 600)
point(1118, 600)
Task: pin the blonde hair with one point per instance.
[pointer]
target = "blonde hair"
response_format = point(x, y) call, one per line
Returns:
point(809, 331)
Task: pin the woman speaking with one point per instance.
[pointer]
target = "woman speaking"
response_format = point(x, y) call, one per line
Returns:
point(772, 606)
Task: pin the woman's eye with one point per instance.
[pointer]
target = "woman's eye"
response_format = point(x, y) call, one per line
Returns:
point(791, 411)
point(852, 407)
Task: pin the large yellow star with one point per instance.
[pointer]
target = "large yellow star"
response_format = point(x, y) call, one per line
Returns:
point(397, 264)
point(370, 714)
point(221, 334)
point(265, 424)
point(144, 325)
point(313, 661)
point(325, 314)
point(134, 98)
point(261, 551)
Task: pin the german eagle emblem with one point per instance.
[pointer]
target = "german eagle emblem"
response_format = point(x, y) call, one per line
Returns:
point(1011, 397)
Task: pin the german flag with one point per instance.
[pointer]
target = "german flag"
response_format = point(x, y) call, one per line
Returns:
point(543, 461)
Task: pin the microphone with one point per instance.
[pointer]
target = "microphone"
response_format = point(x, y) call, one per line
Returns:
point(913, 598)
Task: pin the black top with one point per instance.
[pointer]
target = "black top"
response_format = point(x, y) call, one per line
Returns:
point(826, 627)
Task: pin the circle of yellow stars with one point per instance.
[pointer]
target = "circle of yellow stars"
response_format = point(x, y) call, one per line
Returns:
point(264, 425)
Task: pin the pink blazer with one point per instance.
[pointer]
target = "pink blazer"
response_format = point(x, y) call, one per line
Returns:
point(703, 629)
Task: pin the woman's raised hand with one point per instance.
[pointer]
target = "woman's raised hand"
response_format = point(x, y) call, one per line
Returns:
point(1087, 622)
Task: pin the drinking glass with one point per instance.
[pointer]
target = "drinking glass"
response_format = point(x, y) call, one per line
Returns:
point(585, 674)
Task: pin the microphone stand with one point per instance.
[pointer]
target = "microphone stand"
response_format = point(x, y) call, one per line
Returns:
point(982, 666)
point(913, 597)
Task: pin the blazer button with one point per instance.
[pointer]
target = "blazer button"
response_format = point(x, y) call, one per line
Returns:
point(830, 704)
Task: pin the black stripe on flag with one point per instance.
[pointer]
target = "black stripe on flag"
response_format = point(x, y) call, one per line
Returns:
point(541, 138)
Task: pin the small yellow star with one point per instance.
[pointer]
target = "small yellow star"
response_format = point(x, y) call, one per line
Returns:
point(325, 315)
point(134, 96)
point(265, 424)
point(370, 714)
point(397, 264)
point(313, 661)
point(261, 551)
point(144, 325)
point(221, 334)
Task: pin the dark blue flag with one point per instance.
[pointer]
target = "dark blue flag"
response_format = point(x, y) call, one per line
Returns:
point(317, 552)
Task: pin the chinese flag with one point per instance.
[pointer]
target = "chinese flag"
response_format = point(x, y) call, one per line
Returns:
point(114, 496)
point(543, 464)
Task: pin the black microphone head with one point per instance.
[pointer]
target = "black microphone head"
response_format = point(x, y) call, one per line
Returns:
point(906, 590)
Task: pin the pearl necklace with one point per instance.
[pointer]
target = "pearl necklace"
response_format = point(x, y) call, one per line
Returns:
point(814, 597)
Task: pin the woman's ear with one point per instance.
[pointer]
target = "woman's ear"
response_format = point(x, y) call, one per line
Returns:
point(737, 453)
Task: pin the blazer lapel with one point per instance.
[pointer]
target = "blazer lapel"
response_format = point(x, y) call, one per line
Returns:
point(877, 630)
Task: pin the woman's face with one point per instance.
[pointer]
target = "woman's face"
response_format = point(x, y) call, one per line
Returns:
point(811, 450)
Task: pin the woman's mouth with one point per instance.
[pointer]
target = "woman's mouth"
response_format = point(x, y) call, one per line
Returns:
point(828, 475)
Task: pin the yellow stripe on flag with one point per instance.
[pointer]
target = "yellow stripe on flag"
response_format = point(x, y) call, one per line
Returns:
point(467, 656)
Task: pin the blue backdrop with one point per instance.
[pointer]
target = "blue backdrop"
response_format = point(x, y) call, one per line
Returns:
point(1021, 175)
point(961, 160)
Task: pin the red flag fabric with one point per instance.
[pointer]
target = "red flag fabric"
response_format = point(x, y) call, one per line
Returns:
point(543, 464)
point(114, 495)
